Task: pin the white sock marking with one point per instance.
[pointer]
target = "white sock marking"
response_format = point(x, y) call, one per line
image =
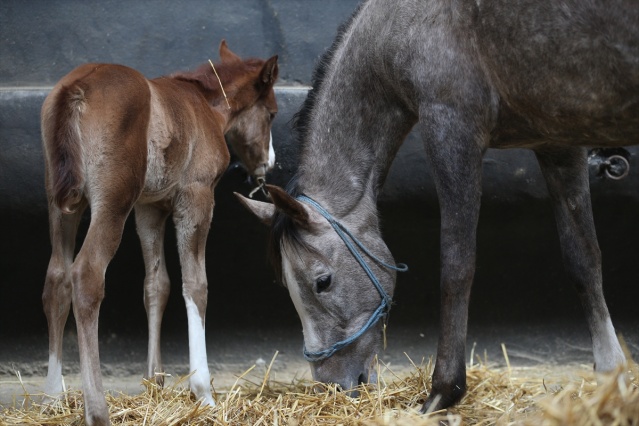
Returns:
point(271, 153)
point(53, 386)
point(201, 379)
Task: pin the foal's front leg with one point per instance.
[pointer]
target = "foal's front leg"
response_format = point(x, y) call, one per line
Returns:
point(566, 173)
point(192, 216)
point(150, 223)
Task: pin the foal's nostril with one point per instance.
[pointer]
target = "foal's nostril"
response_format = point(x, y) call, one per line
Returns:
point(260, 171)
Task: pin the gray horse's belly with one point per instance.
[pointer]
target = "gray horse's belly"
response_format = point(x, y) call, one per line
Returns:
point(528, 129)
point(566, 71)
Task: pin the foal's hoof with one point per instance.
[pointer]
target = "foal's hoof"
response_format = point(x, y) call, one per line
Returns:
point(51, 404)
point(208, 400)
point(159, 379)
point(97, 420)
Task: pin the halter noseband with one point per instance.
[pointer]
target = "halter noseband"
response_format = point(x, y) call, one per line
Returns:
point(384, 306)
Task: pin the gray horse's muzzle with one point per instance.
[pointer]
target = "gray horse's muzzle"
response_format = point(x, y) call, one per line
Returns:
point(351, 367)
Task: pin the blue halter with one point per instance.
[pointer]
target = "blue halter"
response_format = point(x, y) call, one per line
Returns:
point(384, 306)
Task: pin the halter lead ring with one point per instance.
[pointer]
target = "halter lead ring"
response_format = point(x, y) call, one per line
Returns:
point(384, 306)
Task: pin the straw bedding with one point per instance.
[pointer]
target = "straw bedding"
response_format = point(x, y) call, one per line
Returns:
point(502, 396)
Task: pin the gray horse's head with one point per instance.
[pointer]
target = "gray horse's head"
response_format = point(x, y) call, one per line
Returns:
point(342, 311)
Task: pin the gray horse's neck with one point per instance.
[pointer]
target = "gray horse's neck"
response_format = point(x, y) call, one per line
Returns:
point(355, 126)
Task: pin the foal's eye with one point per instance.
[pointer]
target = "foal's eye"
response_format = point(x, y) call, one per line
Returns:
point(323, 283)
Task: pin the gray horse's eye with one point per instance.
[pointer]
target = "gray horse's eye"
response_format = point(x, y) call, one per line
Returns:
point(323, 283)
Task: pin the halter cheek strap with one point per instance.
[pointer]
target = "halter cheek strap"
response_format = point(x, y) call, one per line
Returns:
point(351, 243)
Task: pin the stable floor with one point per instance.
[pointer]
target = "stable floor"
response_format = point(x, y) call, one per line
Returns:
point(232, 351)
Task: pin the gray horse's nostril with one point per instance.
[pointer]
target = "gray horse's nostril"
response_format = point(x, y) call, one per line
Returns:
point(353, 393)
point(362, 379)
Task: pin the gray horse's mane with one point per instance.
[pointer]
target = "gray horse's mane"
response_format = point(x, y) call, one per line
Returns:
point(282, 226)
point(301, 119)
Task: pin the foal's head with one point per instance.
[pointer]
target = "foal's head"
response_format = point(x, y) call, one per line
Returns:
point(242, 90)
point(254, 106)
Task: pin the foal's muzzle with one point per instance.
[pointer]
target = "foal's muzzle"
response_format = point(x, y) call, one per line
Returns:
point(260, 173)
point(259, 178)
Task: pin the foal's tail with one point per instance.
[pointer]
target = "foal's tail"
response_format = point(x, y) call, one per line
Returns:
point(62, 137)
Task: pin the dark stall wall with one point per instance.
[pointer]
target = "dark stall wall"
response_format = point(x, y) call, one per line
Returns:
point(42, 40)
point(519, 274)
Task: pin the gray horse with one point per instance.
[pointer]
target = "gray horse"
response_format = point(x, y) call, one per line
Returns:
point(552, 76)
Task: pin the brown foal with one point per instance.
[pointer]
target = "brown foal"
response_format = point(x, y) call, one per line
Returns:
point(115, 141)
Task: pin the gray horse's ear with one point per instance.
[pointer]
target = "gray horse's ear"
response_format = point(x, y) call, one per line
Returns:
point(226, 55)
point(289, 206)
point(263, 211)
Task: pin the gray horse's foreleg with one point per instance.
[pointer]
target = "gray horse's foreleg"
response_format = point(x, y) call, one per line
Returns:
point(566, 173)
point(455, 158)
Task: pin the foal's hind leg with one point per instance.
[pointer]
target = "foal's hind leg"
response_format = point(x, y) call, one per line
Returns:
point(103, 238)
point(192, 216)
point(56, 297)
point(566, 173)
point(455, 158)
point(150, 222)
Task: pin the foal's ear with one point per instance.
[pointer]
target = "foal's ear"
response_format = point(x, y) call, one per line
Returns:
point(263, 211)
point(226, 55)
point(270, 71)
point(289, 206)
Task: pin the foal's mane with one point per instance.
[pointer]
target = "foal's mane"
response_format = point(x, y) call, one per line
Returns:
point(282, 226)
point(205, 78)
